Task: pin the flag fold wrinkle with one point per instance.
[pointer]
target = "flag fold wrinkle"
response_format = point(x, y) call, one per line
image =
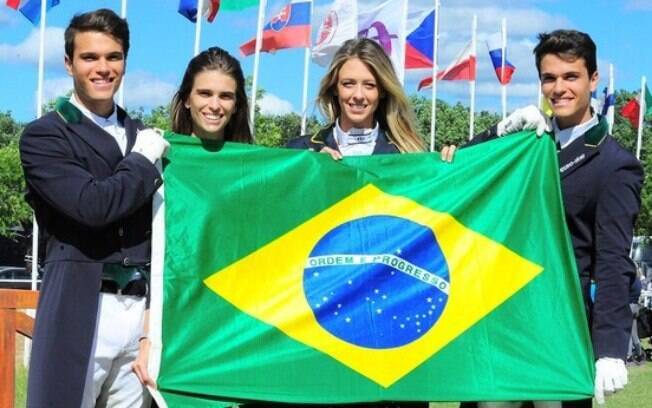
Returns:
point(406, 279)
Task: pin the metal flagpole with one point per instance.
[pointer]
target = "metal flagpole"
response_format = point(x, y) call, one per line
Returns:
point(610, 91)
point(39, 113)
point(254, 85)
point(121, 93)
point(503, 86)
point(200, 8)
point(306, 66)
point(474, 27)
point(400, 71)
point(539, 101)
point(641, 114)
point(435, 68)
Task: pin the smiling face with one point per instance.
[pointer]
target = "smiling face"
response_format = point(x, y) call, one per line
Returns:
point(97, 67)
point(566, 85)
point(212, 103)
point(358, 95)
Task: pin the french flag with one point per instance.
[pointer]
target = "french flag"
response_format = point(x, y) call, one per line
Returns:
point(188, 9)
point(494, 45)
point(31, 9)
point(290, 28)
point(419, 43)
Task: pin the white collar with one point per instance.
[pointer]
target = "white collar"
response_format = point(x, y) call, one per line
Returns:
point(101, 121)
point(355, 135)
point(569, 135)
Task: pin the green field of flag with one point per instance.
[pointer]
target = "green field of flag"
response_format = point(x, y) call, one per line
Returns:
point(290, 277)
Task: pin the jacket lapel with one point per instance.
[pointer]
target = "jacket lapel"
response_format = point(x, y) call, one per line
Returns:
point(131, 127)
point(383, 144)
point(582, 149)
point(99, 140)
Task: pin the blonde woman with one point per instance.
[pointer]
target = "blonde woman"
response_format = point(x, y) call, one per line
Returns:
point(364, 103)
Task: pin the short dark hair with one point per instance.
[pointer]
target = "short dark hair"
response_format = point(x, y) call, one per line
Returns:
point(567, 45)
point(104, 21)
point(213, 59)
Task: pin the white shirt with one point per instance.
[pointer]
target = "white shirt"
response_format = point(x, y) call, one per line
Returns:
point(355, 142)
point(569, 135)
point(110, 124)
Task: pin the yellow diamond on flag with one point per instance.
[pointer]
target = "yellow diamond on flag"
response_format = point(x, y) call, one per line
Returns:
point(376, 281)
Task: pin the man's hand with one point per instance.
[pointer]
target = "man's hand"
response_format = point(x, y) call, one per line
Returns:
point(528, 118)
point(151, 144)
point(610, 376)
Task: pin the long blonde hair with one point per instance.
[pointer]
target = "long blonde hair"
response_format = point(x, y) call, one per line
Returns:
point(393, 114)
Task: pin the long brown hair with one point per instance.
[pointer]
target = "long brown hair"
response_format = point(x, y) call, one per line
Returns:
point(393, 114)
point(213, 59)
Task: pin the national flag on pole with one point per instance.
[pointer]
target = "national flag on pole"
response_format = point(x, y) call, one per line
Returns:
point(608, 102)
point(463, 68)
point(289, 28)
point(631, 112)
point(31, 9)
point(188, 9)
point(339, 24)
point(419, 41)
point(366, 290)
point(385, 24)
point(494, 45)
point(632, 109)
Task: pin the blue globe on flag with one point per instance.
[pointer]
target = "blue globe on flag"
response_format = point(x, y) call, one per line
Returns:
point(377, 281)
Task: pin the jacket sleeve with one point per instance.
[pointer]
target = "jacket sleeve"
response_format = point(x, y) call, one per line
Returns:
point(302, 142)
point(489, 134)
point(57, 176)
point(616, 211)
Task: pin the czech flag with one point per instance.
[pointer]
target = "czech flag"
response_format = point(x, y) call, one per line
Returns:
point(419, 42)
point(494, 45)
point(31, 9)
point(290, 28)
point(188, 9)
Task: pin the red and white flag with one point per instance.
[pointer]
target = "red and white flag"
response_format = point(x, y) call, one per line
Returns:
point(339, 24)
point(463, 68)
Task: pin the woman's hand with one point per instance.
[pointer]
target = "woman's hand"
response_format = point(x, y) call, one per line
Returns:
point(448, 153)
point(335, 155)
point(140, 364)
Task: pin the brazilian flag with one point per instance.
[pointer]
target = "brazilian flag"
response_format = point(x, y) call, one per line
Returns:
point(290, 277)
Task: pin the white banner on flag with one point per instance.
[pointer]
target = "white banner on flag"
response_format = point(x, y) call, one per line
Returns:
point(382, 25)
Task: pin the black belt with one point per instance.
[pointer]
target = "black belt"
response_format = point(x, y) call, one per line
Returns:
point(134, 288)
point(121, 280)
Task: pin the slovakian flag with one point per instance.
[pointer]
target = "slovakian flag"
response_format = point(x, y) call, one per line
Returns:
point(419, 41)
point(289, 28)
point(402, 283)
point(188, 9)
point(494, 45)
point(463, 68)
point(339, 25)
point(31, 9)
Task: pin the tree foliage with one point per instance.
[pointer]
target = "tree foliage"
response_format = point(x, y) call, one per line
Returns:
point(276, 130)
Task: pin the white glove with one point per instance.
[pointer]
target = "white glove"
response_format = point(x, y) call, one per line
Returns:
point(151, 144)
point(610, 376)
point(528, 118)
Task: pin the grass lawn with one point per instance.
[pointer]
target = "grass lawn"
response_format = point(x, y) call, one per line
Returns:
point(638, 392)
